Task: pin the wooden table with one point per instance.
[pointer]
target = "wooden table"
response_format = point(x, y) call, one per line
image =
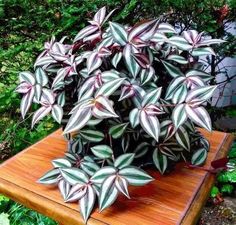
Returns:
point(176, 198)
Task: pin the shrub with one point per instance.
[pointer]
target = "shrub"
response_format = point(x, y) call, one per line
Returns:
point(128, 98)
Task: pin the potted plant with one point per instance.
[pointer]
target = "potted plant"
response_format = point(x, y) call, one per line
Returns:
point(128, 98)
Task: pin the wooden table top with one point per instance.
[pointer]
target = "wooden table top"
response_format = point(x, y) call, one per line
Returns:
point(176, 198)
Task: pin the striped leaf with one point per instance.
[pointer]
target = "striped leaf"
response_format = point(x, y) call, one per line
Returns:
point(77, 192)
point(174, 85)
point(102, 174)
point(160, 161)
point(177, 58)
point(41, 76)
point(103, 108)
point(182, 138)
point(142, 60)
point(57, 113)
point(118, 130)
point(179, 42)
point(100, 15)
point(109, 87)
point(64, 188)
point(40, 114)
point(199, 116)
point(179, 115)
point(127, 91)
point(180, 94)
point(203, 51)
point(172, 70)
point(27, 77)
point(146, 75)
point(38, 92)
point(152, 97)
point(131, 64)
point(200, 94)
point(61, 162)
point(86, 32)
point(207, 42)
point(93, 62)
point(26, 102)
point(119, 33)
point(199, 157)
point(23, 87)
point(86, 203)
point(108, 193)
point(150, 124)
point(47, 97)
point(102, 151)
point(135, 176)
point(141, 149)
point(89, 167)
point(125, 141)
point(116, 59)
point(78, 120)
point(51, 177)
point(124, 160)
point(202, 74)
point(61, 99)
point(122, 185)
point(44, 61)
point(91, 135)
point(74, 176)
point(144, 30)
point(166, 28)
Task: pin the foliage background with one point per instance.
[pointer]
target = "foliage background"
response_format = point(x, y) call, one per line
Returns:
point(26, 24)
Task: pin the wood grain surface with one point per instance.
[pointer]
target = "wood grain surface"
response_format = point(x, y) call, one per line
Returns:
point(176, 198)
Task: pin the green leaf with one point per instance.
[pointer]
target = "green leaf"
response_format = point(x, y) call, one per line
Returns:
point(135, 176)
point(160, 161)
point(141, 149)
point(102, 151)
point(118, 130)
point(51, 177)
point(227, 189)
point(91, 135)
point(102, 174)
point(199, 157)
point(124, 160)
point(74, 176)
point(214, 192)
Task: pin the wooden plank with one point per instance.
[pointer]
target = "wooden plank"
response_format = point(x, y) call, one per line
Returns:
point(171, 199)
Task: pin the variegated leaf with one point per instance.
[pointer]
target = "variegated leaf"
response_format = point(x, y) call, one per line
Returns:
point(135, 176)
point(119, 33)
point(108, 193)
point(180, 42)
point(77, 192)
point(134, 117)
point(86, 203)
point(93, 62)
point(74, 176)
point(199, 157)
point(124, 160)
point(91, 135)
point(109, 87)
point(89, 167)
point(166, 28)
point(51, 177)
point(102, 151)
point(141, 149)
point(182, 138)
point(160, 161)
point(180, 94)
point(40, 114)
point(146, 75)
point(122, 185)
point(203, 51)
point(177, 58)
point(38, 92)
point(64, 188)
point(118, 130)
point(150, 124)
point(152, 97)
point(85, 32)
point(179, 115)
point(41, 76)
point(61, 162)
point(172, 70)
point(27, 77)
point(100, 15)
point(116, 59)
point(200, 116)
point(26, 102)
point(102, 174)
point(174, 85)
point(57, 113)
